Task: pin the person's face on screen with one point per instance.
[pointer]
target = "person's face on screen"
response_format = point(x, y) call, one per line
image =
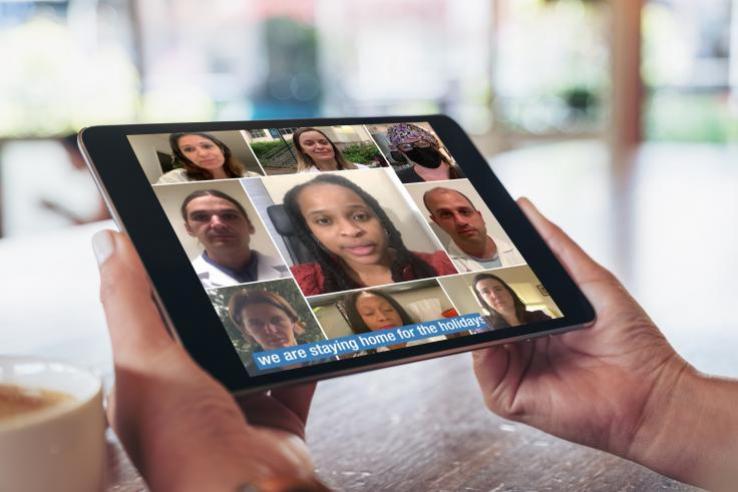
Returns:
point(376, 312)
point(201, 151)
point(496, 295)
point(316, 146)
point(268, 325)
point(456, 216)
point(217, 223)
point(421, 152)
point(344, 224)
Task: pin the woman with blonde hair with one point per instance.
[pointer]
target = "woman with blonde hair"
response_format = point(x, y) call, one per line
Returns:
point(316, 152)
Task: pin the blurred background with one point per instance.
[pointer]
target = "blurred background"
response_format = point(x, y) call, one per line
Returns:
point(619, 117)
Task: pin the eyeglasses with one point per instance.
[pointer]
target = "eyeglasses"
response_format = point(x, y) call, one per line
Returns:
point(418, 144)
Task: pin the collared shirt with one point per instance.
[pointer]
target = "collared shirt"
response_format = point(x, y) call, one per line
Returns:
point(505, 256)
point(214, 276)
point(247, 273)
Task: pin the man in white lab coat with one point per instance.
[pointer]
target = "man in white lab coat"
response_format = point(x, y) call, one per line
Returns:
point(222, 226)
point(471, 248)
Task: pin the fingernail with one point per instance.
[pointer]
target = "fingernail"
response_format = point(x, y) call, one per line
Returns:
point(532, 205)
point(103, 245)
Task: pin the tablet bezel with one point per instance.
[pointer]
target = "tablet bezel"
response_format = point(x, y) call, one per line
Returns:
point(137, 211)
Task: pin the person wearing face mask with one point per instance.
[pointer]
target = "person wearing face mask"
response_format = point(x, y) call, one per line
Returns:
point(618, 387)
point(503, 305)
point(224, 229)
point(423, 151)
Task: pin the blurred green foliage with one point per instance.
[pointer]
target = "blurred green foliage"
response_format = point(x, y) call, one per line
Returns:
point(265, 150)
point(274, 154)
point(362, 153)
point(690, 117)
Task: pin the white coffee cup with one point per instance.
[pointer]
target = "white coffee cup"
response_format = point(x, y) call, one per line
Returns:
point(60, 448)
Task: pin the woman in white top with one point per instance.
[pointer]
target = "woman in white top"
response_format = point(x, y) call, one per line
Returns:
point(201, 157)
point(316, 152)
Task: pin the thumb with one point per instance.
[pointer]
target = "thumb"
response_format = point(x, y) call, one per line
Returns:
point(137, 332)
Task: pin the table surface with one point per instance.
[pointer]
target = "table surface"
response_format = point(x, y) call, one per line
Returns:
point(420, 426)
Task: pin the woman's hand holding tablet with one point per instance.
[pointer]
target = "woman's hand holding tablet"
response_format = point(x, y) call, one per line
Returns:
point(618, 386)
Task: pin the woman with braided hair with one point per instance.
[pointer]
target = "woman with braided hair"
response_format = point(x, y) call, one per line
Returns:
point(354, 242)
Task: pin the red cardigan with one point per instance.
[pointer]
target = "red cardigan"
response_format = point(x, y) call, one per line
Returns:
point(311, 279)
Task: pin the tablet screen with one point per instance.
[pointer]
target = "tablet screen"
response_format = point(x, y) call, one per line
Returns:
point(319, 244)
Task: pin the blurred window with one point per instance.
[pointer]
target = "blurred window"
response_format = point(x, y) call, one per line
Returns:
point(407, 56)
point(130, 60)
point(689, 50)
point(552, 68)
point(66, 64)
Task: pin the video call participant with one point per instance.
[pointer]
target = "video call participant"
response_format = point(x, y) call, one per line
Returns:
point(202, 157)
point(472, 249)
point(423, 150)
point(223, 227)
point(265, 318)
point(373, 310)
point(316, 152)
point(503, 305)
point(635, 397)
point(354, 242)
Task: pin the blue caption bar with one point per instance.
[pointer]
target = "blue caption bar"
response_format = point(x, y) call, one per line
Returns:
point(328, 349)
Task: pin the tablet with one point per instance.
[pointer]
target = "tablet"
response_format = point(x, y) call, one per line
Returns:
point(297, 250)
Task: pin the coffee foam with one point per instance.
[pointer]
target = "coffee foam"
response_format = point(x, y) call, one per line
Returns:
point(17, 401)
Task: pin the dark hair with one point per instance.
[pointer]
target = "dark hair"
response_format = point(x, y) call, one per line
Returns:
point(334, 273)
point(231, 166)
point(445, 190)
point(215, 193)
point(355, 320)
point(69, 140)
point(304, 161)
point(497, 320)
point(245, 297)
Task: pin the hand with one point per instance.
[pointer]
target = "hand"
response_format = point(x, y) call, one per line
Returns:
point(180, 427)
point(610, 386)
